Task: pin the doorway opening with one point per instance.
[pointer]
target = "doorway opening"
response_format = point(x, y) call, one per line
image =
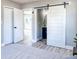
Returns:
point(42, 25)
point(28, 27)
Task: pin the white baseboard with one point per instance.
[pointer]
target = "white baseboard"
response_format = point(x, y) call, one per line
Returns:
point(33, 41)
point(69, 47)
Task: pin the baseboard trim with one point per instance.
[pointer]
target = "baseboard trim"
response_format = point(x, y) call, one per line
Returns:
point(33, 41)
point(69, 47)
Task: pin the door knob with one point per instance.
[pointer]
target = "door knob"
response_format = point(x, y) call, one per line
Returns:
point(15, 27)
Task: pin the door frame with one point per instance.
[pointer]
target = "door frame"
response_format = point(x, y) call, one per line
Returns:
point(28, 9)
point(2, 30)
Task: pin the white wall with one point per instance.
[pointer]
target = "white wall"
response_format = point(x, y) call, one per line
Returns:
point(71, 22)
point(71, 16)
point(10, 4)
point(37, 3)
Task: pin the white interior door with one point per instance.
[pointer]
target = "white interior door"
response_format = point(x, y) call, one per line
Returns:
point(7, 31)
point(56, 26)
point(18, 25)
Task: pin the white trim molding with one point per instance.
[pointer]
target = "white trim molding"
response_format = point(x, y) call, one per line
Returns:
point(69, 47)
point(33, 41)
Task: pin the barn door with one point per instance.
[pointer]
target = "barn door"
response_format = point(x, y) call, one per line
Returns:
point(56, 26)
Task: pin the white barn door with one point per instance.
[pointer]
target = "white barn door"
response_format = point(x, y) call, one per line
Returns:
point(56, 26)
point(7, 25)
point(18, 25)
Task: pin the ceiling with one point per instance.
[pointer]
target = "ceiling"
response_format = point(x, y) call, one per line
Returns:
point(23, 1)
